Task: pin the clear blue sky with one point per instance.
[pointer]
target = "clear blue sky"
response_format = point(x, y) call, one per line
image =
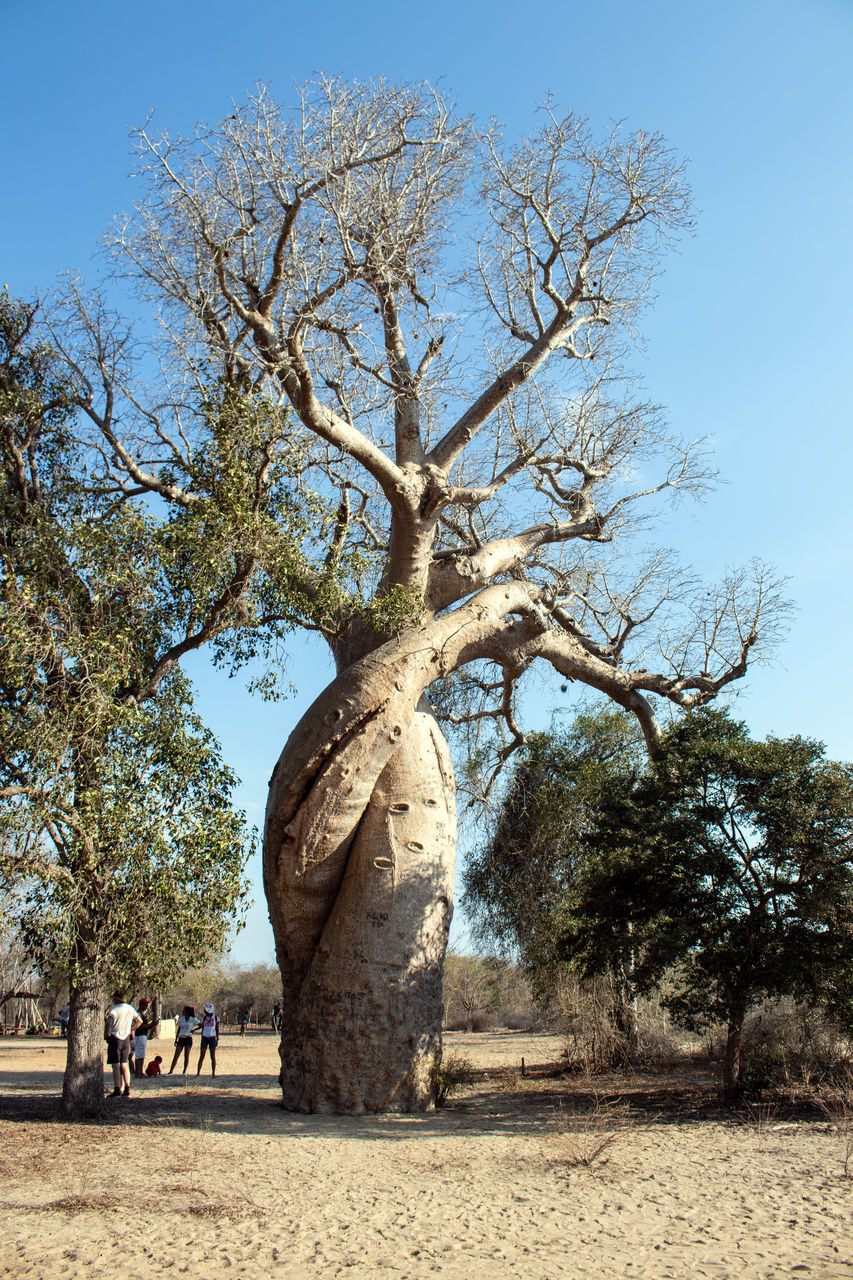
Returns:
point(750, 340)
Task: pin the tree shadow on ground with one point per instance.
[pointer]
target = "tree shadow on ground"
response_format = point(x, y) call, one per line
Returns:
point(500, 1102)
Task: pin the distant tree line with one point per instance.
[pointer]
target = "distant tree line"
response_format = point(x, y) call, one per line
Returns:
point(233, 989)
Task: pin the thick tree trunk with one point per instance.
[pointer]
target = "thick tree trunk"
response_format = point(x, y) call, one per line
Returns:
point(83, 1083)
point(359, 849)
point(361, 1029)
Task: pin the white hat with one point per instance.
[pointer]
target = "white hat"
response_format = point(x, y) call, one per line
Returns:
point(208, 1008)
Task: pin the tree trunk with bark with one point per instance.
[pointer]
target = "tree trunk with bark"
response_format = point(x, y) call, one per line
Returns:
point(359, 853)
point(155, 1014)
point(626, 1004)
point(732, 1059)
point(361, 1029)
point(83, 1082)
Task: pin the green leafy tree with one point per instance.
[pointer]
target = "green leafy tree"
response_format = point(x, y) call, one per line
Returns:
point(516, 884)
point(117, 820)
point(723, 862)
point(732, 860)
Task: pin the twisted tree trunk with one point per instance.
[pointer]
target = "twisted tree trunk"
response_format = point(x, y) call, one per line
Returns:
point(362, 1025)
point(359, 851)
point(359, 855)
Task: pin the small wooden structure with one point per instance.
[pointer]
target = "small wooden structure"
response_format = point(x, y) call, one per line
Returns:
point(25, 1013)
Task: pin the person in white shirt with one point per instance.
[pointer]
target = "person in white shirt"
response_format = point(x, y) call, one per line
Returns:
point(121, 1020)
point(209, 1038)
point(187, 1024)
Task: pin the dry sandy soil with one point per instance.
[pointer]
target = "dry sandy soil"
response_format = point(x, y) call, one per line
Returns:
point(211, 1178)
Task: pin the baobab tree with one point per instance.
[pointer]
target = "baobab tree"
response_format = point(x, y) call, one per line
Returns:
point(436, 323)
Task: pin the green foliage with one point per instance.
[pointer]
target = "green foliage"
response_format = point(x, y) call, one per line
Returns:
point(147, 861)
point(452, 1074)
point(724, 863)
point(244, 537)
point(394, 610)
point(515, 886)
point(731, 858)
point(117, 825)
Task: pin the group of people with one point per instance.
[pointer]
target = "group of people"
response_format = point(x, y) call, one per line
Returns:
point(126, 1032)
point(188, 1023)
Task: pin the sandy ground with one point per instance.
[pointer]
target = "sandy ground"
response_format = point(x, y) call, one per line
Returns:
point(211, 1178)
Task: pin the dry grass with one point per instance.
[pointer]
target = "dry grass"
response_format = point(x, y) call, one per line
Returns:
point(79, 1203)
point(582, 1139)
point(838, 1108)
point(511, 1080)
point(759, 1117)
point(77, 1168)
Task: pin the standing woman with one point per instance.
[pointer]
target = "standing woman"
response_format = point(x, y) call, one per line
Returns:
point(209, 1038)
point(187, 1024)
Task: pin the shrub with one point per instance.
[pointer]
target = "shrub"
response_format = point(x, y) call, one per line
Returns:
point(452, 1074)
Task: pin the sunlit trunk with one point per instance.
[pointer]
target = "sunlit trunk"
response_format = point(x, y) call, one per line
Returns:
point(83, 1082)
point(362, 1012)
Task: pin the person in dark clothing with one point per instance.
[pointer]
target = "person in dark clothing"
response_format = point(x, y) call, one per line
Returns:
point(140, 1042)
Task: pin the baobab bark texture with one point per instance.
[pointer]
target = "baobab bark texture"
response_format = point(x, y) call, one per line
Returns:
point(362, 1014)
point(359, 850)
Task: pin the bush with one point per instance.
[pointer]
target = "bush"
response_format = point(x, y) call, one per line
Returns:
point(603, 1034)
point(787, 1044)
point(522, 1021)
point(452, 1074)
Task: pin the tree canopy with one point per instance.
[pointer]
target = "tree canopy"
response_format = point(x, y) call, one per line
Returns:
point(118, 832)
point(517, 882)
point(447, 316)
point(726, 863)
point(733, 857)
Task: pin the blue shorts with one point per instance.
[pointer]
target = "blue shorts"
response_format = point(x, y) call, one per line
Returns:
point(208, 1042)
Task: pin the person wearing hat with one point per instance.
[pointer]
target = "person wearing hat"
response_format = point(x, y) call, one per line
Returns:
point(140, 1043)
point(209, 1038)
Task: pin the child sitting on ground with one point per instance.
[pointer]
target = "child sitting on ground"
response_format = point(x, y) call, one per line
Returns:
point(153, 1068)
